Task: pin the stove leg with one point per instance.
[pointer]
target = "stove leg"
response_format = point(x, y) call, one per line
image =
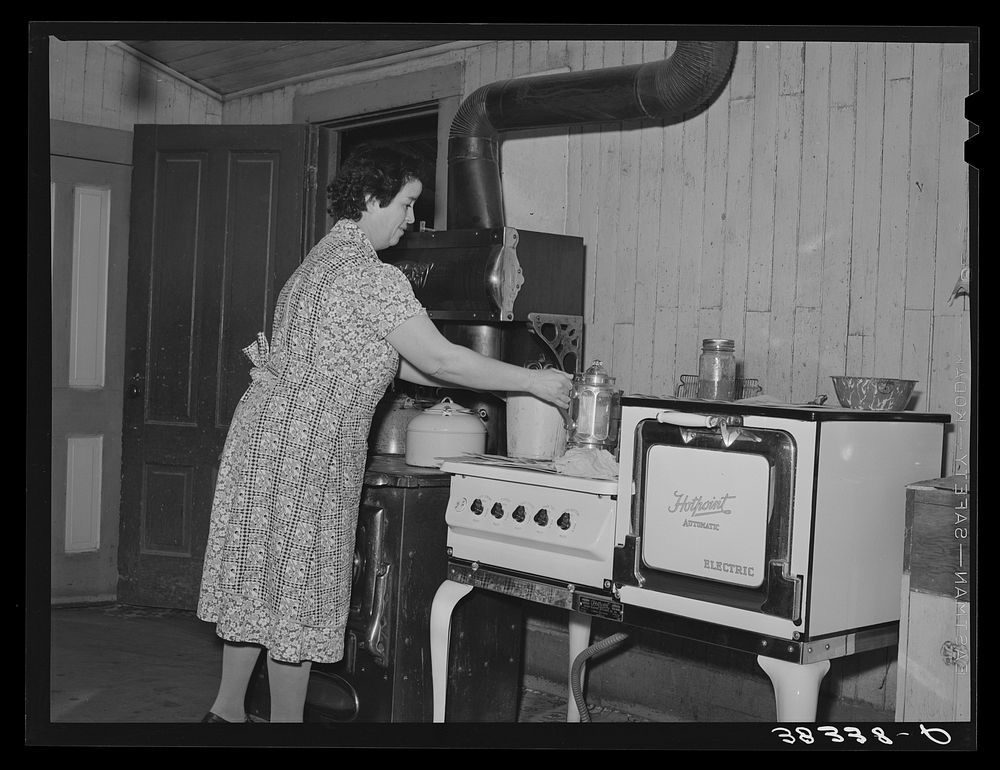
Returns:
point(447, 596)
point(579, 640)
point(796, 687)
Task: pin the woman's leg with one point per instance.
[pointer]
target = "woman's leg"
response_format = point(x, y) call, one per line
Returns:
point(288, 682)
point(238, 661)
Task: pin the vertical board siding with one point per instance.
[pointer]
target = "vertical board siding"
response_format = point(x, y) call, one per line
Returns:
point(647, 257)
point(129, 92)
point(592, 181)
point(487, 66)
point(835, 281)
point(665, 270)
point(714, 212)
point(802, 214)
point(811, 236)
point(692, 135)
point(869, 140)
point(891, 272)
point(777, 378)
point(111, 93)
point(763, 179)
point(736, 223)
point(505, 61)
point(817, 211)
point(522, 59)
point(813, 175)
point(99, 84)
point(951, 346)
point(763, 190)
point(609, 212)
point(625, 290)
point(75, 55)
point(585, 156)
point(923, 183)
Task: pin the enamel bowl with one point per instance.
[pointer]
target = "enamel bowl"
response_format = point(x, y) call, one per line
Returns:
point(882, 394)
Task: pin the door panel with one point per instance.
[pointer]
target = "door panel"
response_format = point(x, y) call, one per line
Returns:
point(219, 220)
point(173, 287)
point(86, 412)
point(248, 276)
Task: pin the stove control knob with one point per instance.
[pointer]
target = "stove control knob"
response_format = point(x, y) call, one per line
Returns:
point(477, 506)
point(518, 514)
point(497, 511)
point(542, 517)
point(563, 521)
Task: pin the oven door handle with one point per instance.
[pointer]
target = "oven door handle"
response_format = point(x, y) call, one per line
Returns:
point(374, 640)
point(691, 420)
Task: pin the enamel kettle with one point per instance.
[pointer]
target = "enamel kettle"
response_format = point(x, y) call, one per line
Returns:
point(446, 429)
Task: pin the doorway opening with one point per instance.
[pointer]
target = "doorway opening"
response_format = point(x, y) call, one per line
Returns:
point(416, 130)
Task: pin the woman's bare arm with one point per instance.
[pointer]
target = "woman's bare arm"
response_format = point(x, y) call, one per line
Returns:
point(410, 373)
point(423, 348)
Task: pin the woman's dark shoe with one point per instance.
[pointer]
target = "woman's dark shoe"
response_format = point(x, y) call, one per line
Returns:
point(213, 718)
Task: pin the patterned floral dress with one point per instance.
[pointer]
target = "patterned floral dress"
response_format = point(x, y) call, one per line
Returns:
point(279, 559)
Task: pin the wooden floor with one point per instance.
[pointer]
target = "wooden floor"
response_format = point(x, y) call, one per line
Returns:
point(116, 665)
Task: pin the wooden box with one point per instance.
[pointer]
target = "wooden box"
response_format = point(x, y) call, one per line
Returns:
point(934, 673)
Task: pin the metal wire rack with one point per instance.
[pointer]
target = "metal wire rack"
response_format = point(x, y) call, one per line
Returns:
point(745, 387)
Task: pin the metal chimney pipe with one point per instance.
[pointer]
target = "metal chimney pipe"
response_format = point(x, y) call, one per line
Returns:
point(673, 90)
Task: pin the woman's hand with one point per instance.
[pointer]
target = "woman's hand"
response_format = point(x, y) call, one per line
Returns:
point(550, 385)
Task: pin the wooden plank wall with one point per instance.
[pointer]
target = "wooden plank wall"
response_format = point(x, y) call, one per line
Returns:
point(99, 84)
point(817, 212)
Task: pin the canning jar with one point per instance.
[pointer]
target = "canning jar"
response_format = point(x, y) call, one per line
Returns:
point(717, 370)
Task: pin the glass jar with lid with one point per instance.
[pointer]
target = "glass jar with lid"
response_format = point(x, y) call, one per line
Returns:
point(592, 402)
point(717, 370)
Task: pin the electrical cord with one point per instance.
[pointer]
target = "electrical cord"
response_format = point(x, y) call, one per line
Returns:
point(576, 684)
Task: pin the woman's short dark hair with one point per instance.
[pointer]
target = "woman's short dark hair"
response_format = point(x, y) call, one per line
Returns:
point(380, 170)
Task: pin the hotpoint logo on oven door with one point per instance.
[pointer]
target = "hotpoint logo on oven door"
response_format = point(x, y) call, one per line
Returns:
point(693, 508)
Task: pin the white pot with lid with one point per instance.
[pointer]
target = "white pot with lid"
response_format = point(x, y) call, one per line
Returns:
point(444, 430)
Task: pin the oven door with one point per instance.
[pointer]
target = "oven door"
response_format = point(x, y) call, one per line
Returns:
point(712, 513)
point(367, 617)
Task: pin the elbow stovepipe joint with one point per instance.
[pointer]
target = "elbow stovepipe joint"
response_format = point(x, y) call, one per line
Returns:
point(673, 90)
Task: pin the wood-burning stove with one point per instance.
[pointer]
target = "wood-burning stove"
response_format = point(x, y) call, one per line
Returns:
point(400, 560)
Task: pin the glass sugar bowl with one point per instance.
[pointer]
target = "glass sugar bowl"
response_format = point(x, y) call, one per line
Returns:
point(593, 399)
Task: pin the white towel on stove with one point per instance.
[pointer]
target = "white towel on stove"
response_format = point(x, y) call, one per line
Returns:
point(590, 463)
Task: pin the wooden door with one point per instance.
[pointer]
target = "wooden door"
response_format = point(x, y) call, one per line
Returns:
point(221, 215)
point(90, 186)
